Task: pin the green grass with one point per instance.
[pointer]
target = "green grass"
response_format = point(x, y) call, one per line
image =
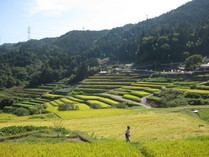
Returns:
point(2, 94)
point(204, 114)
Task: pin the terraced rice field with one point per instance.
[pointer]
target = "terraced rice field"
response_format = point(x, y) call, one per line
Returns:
point(102, 83)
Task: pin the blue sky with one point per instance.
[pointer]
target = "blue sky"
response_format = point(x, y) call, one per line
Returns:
point(53, 18)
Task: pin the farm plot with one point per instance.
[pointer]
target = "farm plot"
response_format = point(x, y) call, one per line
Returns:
point(176, 148)
point(52, 106)
point(99, 98)
point(138, 90)
point(118, 91)
point(105, 149)
point(30, 103)
point(102, 83)
point(94, 103)
point(84, 102)
point(132, 97)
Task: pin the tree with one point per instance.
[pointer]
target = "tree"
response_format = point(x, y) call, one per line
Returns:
point(172, 98)
point(6, 102)
point(193, 62)
point(81, 72)
point(67, 106)
point(22, 112)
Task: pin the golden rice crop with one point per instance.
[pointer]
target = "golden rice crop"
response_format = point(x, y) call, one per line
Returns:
point(154, 83)
point(111, 123)
point(87, 97)
point(82, 106)
point(52, 95)
point(198, 91)
point(109, 101)
point(139, 93)
point(106, 100)
point(6, 115)
point(131, 97)
point(104, 149)
point(59, 101)
point(50, 107)
point(176, 149)
point(74, 99)
point(92, 113)
point(53, 103)
point(66, 100)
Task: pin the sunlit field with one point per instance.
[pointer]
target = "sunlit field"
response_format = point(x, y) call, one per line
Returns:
point(111, 123)
point(176, 149)
point(107, 149)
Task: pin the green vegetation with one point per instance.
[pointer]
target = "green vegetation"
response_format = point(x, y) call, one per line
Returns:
point(13, 130)
point(132, 97)
point(204, 114)
point(172, 98)
point(44, 93)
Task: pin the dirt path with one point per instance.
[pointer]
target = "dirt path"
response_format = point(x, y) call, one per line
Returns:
point(143, 100)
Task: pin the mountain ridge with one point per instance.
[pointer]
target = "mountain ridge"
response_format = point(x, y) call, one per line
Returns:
point(185, 29)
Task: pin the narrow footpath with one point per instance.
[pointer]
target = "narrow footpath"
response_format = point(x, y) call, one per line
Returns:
point(142, 103)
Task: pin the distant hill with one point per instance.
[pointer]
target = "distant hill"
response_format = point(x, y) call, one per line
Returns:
point(176, 34)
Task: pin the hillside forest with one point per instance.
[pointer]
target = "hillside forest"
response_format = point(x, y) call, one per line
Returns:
point(78, 54)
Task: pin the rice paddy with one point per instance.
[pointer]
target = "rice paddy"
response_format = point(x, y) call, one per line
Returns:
point(162, 132)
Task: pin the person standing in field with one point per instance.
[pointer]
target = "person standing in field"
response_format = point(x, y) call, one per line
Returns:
point(127, 134)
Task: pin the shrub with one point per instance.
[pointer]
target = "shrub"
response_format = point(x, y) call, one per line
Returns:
point(67, 106)
point(6, 102)
point(192, 95)
point(122, 105)
point(9, 109)
point(13, 130)
point(198, 102)
point(95, 106)
point(33, 110)
point(172, 98)
point(22, 112)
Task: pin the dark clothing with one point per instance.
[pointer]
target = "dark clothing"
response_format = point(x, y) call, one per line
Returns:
point(127, 138)
point(127, 135)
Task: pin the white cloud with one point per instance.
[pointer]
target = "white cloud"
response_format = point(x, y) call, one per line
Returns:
point(54, 7)
point(101, 14)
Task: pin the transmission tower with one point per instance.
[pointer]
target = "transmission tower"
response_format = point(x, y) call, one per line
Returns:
point(29, 33)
